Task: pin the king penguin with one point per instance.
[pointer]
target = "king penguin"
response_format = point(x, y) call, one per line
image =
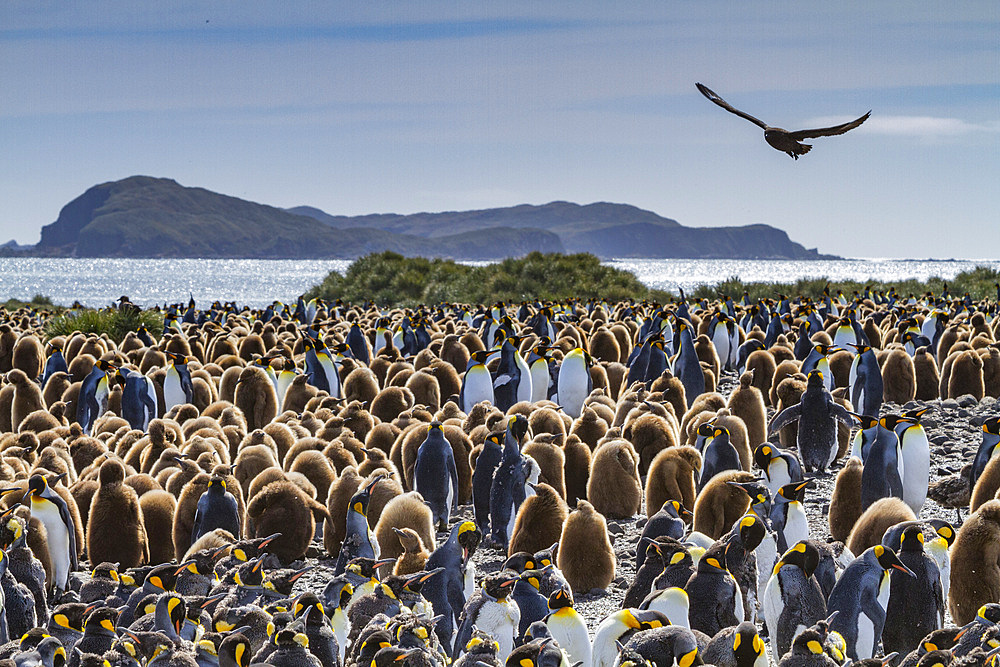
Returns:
point(882, 474)
point(435, 475)
point(217, 508)
point(177, 388)
point(817, 414)
point(916, 604)
point(780, 467)
point(792, 599)
point(865, 381)
point(860, 598)
point(93, 393)
point(359, 541)
point(569, 629)
point(491, 610)
point(477, 385)
point(575, 383)
point(915, 458)
point(49, 508)
point(989, 447)
point(482, 479)
point(507, 491)
point(541, 365)
point(788, 516)
point(138, 400)
point(686, 365)
point(56, 363)
point(510, 380)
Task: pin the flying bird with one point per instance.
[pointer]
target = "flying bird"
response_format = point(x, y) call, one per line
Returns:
point(783, 140)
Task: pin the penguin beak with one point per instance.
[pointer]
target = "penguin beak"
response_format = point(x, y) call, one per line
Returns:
point(384, 561)
point(902, 568)
point(268, 540)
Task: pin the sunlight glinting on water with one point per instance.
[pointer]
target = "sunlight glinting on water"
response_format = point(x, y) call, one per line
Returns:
point(256, 282)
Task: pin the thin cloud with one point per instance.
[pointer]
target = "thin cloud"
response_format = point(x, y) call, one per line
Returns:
point(911, 126)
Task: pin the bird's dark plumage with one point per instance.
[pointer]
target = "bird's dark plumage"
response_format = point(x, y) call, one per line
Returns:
point(776, 137)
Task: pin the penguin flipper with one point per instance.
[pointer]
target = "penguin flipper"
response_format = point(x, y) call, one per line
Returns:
point(784, 418)
point(840, 413)
point(67, 519)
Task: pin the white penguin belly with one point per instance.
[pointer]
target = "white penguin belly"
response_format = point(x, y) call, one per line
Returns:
point(524, 386)
point(916, 468)
point(539, 382)
point(796, 526)
point(469, 579)
point(673, 604)
point(173, 394)
point(341, 629)
point(720, 339)
point(58, 540)
point(771, 606)
point(777, 475)
point(478, 388)
point(572, 386)
point(570, 632)
point(767, 556)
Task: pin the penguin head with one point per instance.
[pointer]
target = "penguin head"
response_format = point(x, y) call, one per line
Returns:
point(417, 581)
point(676, 509)
point(864, 421)
point(707, 429)
point(176, 610)
point(714, 559)
point(521, 561)
point(814, 379)
point(888, 559)
point(751, 531)
point(545, 557)
point(103, 618)
point(860, 348)
point(764, 454)
point(826, 350)
point(803, 556)
point(912, 539)
point(468, 537)
point(517, 426)
point(759, 494)
point(992, 426)
point(794, 491)
point(890, 422)
point(808, 642)
point(642, 619)
point(720, 432)
point(560, 599)
point(747, 644)
point(38, 487)
point(944, 530)
point(498, 586)
point(105, 366)
point(480, 356)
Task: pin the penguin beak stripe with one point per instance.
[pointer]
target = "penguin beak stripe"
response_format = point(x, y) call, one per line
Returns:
point(904, 569)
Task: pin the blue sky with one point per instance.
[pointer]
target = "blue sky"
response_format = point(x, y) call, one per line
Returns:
point(403, 107)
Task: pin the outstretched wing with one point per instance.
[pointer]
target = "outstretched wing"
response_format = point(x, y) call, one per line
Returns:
point(707, 92)
point(828, 131)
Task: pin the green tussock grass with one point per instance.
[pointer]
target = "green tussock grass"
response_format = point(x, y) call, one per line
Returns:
point(980, 283)
point(115, 324)
point(389, 279)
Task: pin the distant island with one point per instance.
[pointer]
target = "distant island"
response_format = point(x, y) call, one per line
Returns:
point(143, 216)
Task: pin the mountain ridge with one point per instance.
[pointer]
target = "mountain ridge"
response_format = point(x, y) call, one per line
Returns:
point(145, 216)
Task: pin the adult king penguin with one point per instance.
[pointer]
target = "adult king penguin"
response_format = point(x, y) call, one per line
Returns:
point(575, 383)
point(93, 396)
point(49, 508)
point(138, 400)
point(866, 381)
point(435, 475)
point(177, 388)
point(817, 414)
point(477, 385)
point(860, 598)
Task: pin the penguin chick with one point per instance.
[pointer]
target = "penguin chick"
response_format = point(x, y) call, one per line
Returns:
point(282, 507)
point(539, 521)
point(870, 527)
point(845, 503)
point(673, 475)
point(975, 575)
point(115, 529)
point(721, 504)
point(414, 555)
point(614, 488)
point(586, 557)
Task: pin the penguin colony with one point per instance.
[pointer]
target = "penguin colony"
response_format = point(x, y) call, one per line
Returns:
point(160, 495)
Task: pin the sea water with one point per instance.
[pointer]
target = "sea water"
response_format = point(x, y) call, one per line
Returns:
point(257, 282)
